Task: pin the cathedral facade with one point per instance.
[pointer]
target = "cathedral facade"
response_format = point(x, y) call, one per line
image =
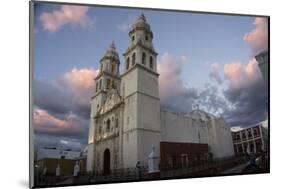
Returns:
point(126, 120)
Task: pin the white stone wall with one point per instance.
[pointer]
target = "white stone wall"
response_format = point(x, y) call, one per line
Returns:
point(148, 83)
point(196, 128)
point(130, 149)
point(141, 115)
point(90, 157)
point(223, 140)
point(182, 128)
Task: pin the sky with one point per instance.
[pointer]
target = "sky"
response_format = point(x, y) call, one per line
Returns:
point(205, 59)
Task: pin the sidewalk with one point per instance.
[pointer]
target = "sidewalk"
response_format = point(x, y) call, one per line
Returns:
point(237, 169)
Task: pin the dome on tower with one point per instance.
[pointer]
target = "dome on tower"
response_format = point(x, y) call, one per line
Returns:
point(111, 52)
point(141, 23)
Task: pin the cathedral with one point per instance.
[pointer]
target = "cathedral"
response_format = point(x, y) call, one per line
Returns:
point(126, 121)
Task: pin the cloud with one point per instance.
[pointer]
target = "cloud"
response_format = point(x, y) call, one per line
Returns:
point(211, 101)
point(80, 84)
point(61, 110)
point(67, 14)
point(126, 26)
point(257, 39)
point(46, 123)
point(49, 140)
point(246, 92)
point(174, 94)
point(49, 97)
point(214, 74)
point(242, 76)
point(241, 100)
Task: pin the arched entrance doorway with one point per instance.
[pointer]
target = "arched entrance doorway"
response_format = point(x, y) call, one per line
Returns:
point(106, 162)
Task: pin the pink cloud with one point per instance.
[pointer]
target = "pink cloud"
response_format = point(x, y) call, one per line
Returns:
point(169, 82)
point(68, 14)
point(257, 39)
point(44, 122)
point(240, 75)
point(214, 74)
point(80, 84)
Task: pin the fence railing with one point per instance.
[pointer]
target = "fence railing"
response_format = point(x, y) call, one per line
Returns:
point(217, 166)
point(131, 174)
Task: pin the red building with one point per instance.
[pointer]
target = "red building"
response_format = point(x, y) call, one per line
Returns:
point(174, 155)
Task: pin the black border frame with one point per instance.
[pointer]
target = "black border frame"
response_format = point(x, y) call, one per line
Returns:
point(31, 2)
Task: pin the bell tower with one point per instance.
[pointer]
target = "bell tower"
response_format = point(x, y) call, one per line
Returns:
point(140, 50)
point(140, 91)
point(108, 78)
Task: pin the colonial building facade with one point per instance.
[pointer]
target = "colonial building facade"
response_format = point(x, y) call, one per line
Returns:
point(251, 140)
point(126, 120)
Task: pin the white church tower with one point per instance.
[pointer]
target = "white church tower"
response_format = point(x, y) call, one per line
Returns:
point(108, 78)
point(140, 92)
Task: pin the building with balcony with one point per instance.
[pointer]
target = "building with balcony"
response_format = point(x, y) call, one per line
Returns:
point(250, 140)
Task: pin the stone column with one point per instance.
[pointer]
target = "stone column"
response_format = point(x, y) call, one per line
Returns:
point(248, 144)
point(261, 136)
point(241, 141)
point(255, 150)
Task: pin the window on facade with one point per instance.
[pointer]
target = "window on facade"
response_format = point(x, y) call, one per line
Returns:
point(133, 38)
point(108, 83)
point(169, 160)
point(255, 132)
point(151, 62)
point(128, 120)
point(100, 84)
point(113, 68)
point(238, 137)
point(146, 37)
point(240, 150)
point(113, 84)
point(97, 86)
point(184, 160)
point(98, 159)
point(143, 59)
point(252, 148)
point(134, 59)
point(108, 125)
point(249, 133)
point(115, 160)
point(128, 63)
point(116, 123)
